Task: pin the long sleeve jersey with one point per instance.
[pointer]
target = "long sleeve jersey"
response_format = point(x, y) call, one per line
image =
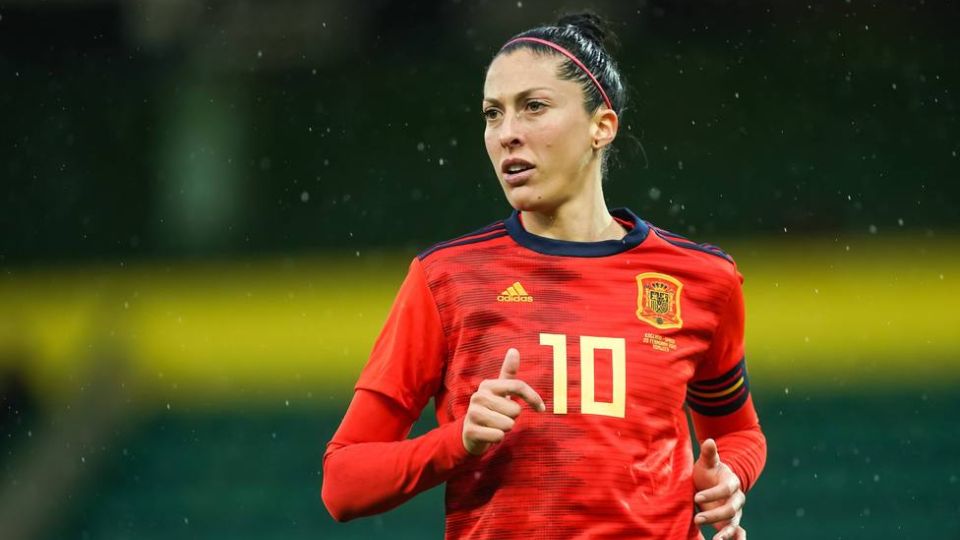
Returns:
point(620, 338)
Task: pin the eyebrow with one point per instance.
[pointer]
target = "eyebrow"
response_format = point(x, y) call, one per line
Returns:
point(522, 95)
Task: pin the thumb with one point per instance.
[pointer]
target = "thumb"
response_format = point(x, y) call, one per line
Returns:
point(511, 364)
point(709, 454)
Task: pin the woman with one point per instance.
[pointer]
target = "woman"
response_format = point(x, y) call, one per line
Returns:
point(599, 324)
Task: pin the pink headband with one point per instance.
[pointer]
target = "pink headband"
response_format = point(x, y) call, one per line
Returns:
point(569, 55)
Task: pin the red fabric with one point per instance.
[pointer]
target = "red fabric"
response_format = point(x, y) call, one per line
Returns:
point(368, 468)
point(740, 441)
point(593, 470)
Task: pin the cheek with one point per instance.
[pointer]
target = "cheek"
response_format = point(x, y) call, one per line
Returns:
point(490, 141)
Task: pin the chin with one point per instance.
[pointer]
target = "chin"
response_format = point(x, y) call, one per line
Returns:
point(527, 199)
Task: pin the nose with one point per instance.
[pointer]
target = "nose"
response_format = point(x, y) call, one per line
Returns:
point(510, 131)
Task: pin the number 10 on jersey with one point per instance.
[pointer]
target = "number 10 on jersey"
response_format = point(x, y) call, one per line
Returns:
point(588, 402)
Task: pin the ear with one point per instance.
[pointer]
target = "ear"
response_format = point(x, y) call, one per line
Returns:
point(603, 127)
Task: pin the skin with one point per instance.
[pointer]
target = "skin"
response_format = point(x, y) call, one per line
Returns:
point(533, 115)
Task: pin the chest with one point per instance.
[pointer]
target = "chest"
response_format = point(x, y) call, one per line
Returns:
point(605, 341)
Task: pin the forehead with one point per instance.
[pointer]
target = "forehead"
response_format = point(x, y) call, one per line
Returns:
point(520, 70)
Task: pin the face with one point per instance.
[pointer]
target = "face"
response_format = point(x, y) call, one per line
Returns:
point(544, 146)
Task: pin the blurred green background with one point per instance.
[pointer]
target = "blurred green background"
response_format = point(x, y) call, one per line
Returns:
point(207, 208)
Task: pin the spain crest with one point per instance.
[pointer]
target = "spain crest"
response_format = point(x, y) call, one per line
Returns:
point(658, 300)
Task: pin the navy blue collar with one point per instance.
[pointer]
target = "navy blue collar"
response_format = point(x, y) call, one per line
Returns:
point(566, 248)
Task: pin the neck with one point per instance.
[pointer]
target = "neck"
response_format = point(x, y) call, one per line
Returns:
point(581, 219)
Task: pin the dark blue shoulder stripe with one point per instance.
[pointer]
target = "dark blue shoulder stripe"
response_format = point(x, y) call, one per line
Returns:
point(494, 230)
point(680, 241)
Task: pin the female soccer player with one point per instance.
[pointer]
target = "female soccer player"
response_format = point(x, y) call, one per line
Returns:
point(560, 345)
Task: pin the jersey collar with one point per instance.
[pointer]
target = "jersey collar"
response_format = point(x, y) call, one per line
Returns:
point(566, 248)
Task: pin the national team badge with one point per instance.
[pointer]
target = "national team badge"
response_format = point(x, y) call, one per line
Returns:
point(658, 300)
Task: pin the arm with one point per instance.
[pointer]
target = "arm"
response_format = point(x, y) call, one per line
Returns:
point(368, 466)
point(719, 394)
point(726, 423)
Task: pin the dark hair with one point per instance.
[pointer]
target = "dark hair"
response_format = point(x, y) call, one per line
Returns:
point(584, 34)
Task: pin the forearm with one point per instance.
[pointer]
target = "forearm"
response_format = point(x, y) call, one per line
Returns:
point(745, 452)
point(364, 476)
point(739, 439)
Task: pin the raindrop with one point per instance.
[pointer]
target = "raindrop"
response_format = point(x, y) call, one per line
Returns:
point(259, 54)
point(654, 194)
point(900, 222)
point(440, 162)
point(801, 512)
point(796, 462)
point(736, 95)
point(873, 229)
point(420, 147)
point(519, 4)
point(304, 196)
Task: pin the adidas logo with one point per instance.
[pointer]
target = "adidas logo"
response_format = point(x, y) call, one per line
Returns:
point(515, 293)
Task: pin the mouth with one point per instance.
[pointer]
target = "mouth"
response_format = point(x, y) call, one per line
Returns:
point(516, 171)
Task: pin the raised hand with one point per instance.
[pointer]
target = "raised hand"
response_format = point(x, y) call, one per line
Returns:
point(718, 494)
point(492, 413)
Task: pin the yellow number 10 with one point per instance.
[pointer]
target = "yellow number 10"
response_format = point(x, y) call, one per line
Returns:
point(588, 403)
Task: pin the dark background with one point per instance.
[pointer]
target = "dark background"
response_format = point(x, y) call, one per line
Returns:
point(206, 208)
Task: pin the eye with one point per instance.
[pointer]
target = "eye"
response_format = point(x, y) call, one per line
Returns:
point(490, 114)
point(536, 106)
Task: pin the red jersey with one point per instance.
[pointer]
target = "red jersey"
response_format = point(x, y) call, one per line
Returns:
point(616, 336)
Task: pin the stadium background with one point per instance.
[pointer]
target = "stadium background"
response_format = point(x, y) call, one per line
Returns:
point(208, 207)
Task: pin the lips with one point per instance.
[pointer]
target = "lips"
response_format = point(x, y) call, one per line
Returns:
point(516, 171)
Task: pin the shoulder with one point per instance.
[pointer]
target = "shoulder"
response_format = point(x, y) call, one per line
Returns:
point(707, 256)
point(472, 240)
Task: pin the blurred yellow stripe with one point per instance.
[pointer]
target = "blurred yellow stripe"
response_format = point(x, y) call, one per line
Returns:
point(820, 315)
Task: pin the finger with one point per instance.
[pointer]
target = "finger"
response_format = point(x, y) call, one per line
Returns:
point(484, 434)
point(720, 513)
point(718, 492)
point(485, 417)
point(515, 387)
point(730, 532)
point(497, 403)
point(709, 454)
point(511, 364)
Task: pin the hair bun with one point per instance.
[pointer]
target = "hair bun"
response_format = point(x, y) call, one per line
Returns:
point(590, 25)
